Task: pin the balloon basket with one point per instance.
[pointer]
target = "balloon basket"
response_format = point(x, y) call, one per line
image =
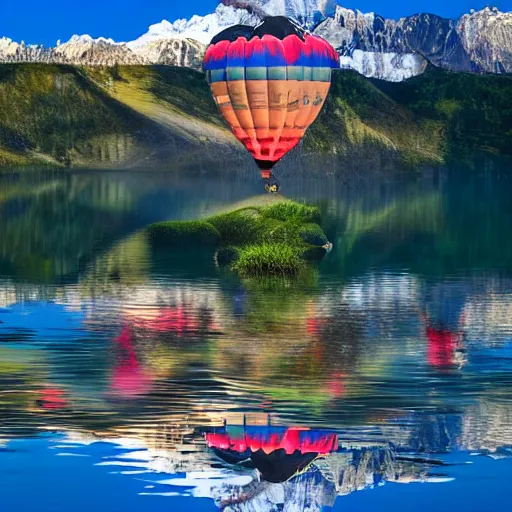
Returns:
point(272, 188)
point(270, 182)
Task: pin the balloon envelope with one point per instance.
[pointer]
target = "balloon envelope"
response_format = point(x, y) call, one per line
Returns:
point(270, 83)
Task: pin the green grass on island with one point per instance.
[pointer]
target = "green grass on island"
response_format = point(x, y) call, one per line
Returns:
point(272, 259)
point(274, 240)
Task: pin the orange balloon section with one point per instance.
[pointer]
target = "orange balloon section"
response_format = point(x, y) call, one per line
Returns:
point(270, 83)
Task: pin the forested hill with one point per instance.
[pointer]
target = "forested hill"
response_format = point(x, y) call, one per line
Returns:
point(161, 116)
point(475, 110)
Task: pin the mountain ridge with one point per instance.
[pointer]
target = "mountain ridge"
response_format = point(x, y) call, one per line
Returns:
point(394, 50)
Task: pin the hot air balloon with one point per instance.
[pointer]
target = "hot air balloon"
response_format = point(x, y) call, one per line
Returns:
point(270, 83)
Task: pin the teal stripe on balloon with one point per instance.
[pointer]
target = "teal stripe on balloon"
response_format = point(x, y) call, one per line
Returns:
point(256, 73)
point(277, 73)
point(301, 73)
point(217, 75)
point(296, 73)
point(235, 73)
point(321, 74)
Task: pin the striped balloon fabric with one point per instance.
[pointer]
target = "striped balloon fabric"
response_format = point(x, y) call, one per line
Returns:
point(270, 83)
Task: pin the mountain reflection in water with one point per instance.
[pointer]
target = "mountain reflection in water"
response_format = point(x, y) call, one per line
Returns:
point(390, 362)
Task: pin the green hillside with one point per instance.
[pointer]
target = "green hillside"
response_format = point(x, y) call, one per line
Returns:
point(63, 115)
point(474, 110)
point(359, 116)
point(55, 113)
point(137, 116)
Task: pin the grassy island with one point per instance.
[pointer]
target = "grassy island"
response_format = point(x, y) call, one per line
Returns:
point(275, 239)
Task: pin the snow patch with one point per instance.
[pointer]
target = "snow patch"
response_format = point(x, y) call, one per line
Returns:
point(393, 67)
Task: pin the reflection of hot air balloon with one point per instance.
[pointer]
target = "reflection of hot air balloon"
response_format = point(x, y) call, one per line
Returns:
point(278, 453)
point(52, 399)
point(444, 318)
point(129, 378)
point(442, 346)
point(270, 83)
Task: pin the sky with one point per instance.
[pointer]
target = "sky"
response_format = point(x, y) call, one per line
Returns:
point(38, 22)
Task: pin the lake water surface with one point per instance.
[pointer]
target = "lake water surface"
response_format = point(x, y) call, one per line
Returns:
point(135, 381)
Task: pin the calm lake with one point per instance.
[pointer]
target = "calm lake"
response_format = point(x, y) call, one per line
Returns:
point(134, 381)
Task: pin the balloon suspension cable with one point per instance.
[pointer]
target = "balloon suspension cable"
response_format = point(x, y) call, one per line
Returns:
point(270, 182)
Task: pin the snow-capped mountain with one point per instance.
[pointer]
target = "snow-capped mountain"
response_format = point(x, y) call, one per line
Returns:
point(486, 37)
point(477, 42)
point(177, 51)
point(84, 50)
point(78, 50)
point(376, 47)
point(11, 51)
point(199, 28)
point(234, 12)
point(101, 52)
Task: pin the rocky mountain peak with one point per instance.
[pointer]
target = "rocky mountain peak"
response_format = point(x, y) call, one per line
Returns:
point(199, 28)
point(307, 12)
point(251, 7)
point(486, 37)
point(343, 13)
point(85, 50)
point(7, 45)
point(173, 52)
point(97, 52)
point(480, 41)
point(87, 39)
